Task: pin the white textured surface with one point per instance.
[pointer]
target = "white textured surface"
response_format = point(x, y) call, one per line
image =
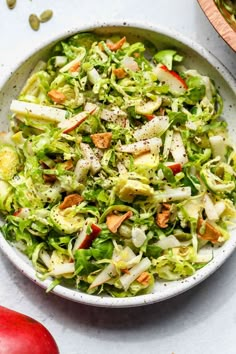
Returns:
point(203, 320)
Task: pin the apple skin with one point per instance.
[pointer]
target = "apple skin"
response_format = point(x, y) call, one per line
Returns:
point(176, 83)
point(176, 168)
point(21, 334)
point(87, 241)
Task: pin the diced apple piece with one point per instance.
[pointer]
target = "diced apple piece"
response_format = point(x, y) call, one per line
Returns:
point(210, 210)
point(178, 150)
point(175, 167)
point(81, 169)
point(138, 236)
point(141, 146)
point(22, 213)
point(84, 240)
point(64, 268)
point(130, 64)
point(91, 107)
point(168, 242)
point(155, 127)
point(93, 76)
point(74, 62)
point(134, 273)
point(115, 115)
point(176, 84)
point(148, 107)
point(106, 274)
point(89, 155)
point(70, 124)
point(147, 159)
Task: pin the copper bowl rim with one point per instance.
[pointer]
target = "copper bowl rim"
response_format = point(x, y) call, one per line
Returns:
point(218, 21)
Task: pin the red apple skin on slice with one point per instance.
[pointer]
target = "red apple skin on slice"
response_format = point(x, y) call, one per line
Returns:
point(171, 78)
point(175, 167)
point(70, 124)
point(88, 239)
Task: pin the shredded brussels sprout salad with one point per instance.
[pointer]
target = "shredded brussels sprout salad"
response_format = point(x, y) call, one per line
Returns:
point(117, 171)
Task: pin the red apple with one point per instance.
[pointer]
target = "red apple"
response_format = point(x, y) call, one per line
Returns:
point(20, 334)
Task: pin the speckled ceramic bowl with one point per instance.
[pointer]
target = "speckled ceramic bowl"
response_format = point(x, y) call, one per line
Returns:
point(196, 57)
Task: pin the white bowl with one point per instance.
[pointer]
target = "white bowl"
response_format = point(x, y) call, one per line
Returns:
point(195, 57)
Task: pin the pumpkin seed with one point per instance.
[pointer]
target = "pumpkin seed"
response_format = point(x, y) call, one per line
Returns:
point(34, 22)
point(11, 3)
point(46, 15)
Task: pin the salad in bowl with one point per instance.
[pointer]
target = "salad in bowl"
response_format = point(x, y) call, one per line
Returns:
point(118, 171)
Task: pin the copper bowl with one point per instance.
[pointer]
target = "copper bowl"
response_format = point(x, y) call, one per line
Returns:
point(220, 20)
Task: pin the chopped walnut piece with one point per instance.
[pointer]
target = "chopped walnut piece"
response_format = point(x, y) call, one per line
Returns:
point(163, 217)
point(120, 73)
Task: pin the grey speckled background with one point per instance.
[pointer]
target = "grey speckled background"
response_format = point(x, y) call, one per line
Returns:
point(201, 321)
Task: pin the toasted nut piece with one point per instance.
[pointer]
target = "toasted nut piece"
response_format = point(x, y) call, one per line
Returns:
point(57, 96)
point(115, 46)
point(49, 178)
point(166, 206)
point(210, 233)
point(125, 270)
point(120, 73)
point(144, 278)
point(102, 140)
point(74, 68)
point(114, 221)
point(68, 165)
point(70, 200)
point(163, 217)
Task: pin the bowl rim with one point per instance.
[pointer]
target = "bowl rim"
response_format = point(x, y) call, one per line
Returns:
point(182, 286)
point(218, 22)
